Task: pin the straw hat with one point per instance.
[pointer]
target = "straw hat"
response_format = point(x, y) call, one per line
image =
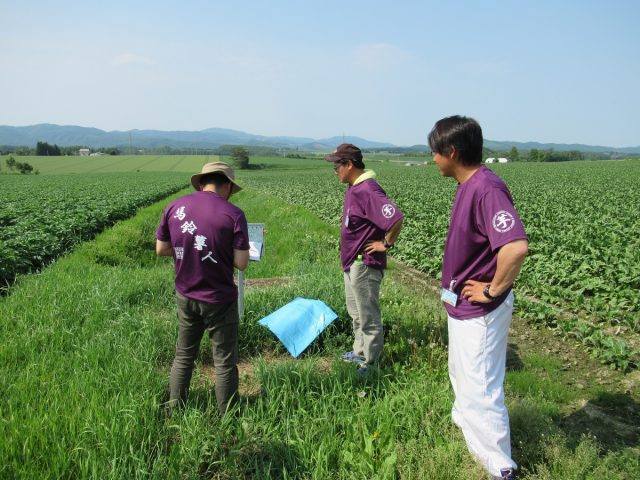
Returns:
point(216, 167)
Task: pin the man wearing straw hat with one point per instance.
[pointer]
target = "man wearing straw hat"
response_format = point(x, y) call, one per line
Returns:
point(207, 237)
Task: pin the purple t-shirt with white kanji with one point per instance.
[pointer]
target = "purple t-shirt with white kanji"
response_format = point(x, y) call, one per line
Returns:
point(483, 219)
point(204, 229)
point(367, 214)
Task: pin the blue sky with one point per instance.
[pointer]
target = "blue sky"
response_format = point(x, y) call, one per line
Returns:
point(548, 71)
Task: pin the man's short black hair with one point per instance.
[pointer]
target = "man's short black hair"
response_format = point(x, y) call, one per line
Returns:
point(217, 179)
point(460, 132)
point(356, 163)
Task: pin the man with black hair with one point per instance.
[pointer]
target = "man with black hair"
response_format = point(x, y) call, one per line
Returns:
point(370, 226)
point(207, 237)
point(485, 248)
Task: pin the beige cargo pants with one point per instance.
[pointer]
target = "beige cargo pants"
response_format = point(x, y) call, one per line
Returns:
point(362, 292)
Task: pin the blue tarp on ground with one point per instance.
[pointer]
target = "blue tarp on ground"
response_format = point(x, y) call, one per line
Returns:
point(299, 322)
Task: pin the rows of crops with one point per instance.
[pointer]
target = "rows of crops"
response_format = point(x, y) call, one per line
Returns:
point(583, 220)
point(44, 216)
point(86, 352)
point(582, 275)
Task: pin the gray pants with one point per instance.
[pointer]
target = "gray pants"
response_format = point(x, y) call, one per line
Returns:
point(362, 292)
point(221, 322)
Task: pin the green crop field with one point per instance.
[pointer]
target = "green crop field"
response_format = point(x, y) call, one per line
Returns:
point(582, 274)
point(87, 343)
point(583, 271)
point(145, 163)
point(42, 217)
point(118, 163)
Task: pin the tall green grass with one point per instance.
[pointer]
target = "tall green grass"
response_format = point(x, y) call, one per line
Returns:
point(87, 346)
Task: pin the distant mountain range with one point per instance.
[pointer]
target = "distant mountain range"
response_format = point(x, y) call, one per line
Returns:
point(560, 147)
point(69, 135)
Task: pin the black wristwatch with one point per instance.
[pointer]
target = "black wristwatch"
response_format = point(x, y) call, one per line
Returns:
point(487, 294)
point(386, 244)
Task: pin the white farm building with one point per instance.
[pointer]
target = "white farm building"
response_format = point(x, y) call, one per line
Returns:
point(497, 160)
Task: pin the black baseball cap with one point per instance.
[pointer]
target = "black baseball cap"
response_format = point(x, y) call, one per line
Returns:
point(344, 152)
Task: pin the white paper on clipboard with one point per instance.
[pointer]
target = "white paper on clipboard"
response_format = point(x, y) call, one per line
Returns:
point(256, 241)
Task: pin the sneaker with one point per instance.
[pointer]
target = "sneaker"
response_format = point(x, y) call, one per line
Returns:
point(352, 357)
point(362, 370)
point(507, 474)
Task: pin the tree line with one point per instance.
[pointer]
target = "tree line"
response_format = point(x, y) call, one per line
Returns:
point(44, 149)
point(515, 155)
point(551, 155)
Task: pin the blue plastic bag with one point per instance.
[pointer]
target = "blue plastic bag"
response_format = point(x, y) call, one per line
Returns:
point(299, 322)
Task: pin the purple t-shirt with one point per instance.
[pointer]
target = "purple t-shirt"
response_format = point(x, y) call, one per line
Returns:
point(367, 214)
point(204, 229)
point(483, 219)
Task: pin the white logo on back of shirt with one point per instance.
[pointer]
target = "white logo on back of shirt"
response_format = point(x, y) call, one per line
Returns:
point(503, 221)
point(180, 214)
point(210, 257)
point(201, 242)
point(388, 210)
point(188, 227)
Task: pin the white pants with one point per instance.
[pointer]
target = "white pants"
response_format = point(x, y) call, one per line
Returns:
point(477, 360)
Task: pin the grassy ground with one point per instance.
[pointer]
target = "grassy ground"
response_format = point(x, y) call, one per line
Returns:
point(87, 346)
point(146, 163)
point(119, 163)
point(170, 163)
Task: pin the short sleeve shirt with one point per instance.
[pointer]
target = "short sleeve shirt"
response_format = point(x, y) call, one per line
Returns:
point(204, 229)
point(367, 214)
point(483, 219)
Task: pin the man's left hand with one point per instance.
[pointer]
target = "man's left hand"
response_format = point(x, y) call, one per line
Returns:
point(374, 246)
point(472, 292)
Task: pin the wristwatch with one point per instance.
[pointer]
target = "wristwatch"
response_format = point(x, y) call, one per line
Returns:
point(386, 244)
point(487, 294)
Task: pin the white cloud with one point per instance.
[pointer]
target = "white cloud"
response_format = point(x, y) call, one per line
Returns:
point(131, 59)
point(379, 56)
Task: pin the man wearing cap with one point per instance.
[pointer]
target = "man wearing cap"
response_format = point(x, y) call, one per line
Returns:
point(207, 237)
point(485, 248)
point(370, 226)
